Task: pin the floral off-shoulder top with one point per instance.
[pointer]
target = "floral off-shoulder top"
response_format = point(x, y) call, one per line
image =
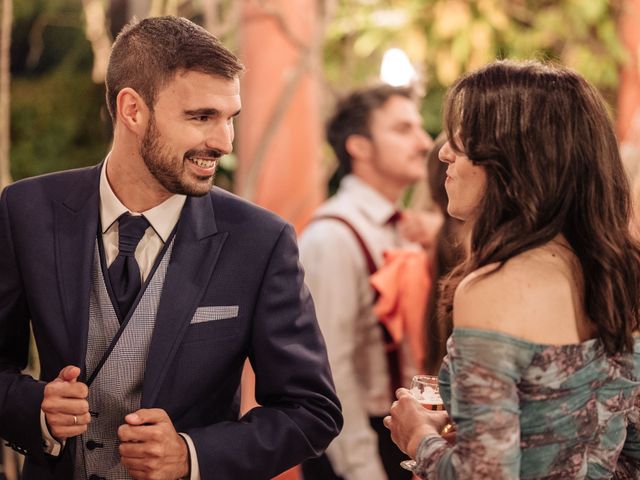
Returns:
point(530, 411)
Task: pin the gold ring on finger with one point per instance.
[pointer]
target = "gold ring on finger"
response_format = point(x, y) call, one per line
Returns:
point(75, 420)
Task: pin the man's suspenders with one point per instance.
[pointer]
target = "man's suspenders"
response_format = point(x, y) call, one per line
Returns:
point(393, 350)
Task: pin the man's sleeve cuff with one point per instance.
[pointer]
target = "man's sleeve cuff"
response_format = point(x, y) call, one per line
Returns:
point(193, 458)
point(50, 445)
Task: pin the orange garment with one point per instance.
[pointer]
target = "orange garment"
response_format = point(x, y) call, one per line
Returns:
point(403, 284)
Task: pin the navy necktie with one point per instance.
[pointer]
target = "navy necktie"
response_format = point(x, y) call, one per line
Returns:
point(124, 272)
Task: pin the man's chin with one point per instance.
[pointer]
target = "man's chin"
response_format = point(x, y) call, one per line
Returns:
point(199, 193)
point(192, 188)
point(419, 176)
point(200, 187)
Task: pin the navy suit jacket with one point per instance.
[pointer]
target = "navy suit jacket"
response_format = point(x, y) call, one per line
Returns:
point(227, 252)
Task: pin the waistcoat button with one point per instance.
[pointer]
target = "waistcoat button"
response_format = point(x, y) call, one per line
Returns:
point(92, 445)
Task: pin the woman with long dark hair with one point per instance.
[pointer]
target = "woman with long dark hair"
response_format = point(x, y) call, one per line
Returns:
point(542, 376)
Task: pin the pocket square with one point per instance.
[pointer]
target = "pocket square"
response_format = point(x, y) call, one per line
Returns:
point(209, 314)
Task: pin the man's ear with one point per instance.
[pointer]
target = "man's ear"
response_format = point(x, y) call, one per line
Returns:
point(358, 146)
point(132, 110)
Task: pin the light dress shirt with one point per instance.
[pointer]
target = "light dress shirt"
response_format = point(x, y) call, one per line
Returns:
point(337, 275)
point(162, 220)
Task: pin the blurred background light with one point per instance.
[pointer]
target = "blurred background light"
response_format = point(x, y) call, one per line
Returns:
point(396, 69)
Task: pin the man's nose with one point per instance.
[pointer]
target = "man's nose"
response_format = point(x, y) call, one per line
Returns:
point(221, 138)
point(426, 142)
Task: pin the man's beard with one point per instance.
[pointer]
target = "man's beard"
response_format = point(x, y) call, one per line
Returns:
point(169, 172)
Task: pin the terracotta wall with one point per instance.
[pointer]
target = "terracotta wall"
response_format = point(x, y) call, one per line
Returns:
point(279, 129)
point(629, 94)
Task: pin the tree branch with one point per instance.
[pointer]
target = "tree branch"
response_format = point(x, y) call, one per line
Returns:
point(98, 36)
point(5, 81)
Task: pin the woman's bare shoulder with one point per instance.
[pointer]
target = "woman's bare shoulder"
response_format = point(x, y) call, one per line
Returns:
point(534, 295)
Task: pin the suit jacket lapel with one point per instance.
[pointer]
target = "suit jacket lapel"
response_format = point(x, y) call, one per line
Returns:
point(196, 248)
point(76, 227)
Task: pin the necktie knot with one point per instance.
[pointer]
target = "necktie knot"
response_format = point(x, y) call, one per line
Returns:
point(395, 217)
point(131, 229)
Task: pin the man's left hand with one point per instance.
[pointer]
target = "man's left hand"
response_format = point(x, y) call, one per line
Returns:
point(150, 447)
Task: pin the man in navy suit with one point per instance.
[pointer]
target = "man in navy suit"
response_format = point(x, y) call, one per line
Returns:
point(147, 288)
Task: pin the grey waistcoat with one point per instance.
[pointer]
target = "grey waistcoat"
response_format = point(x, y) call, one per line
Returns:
point(117, 388)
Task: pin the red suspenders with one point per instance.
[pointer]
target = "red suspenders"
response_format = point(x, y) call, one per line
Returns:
point(393, 350)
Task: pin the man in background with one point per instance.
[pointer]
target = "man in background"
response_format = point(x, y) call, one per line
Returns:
point(380, 144)
point(147, 289)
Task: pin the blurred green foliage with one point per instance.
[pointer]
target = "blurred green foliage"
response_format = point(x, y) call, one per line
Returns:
point(56, 109)
point(59, 120)
point(445, 38)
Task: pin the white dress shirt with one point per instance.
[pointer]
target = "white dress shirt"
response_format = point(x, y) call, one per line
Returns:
point(338, 278)
point(162, 220)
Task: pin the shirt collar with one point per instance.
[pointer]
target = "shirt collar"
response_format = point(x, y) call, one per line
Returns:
point(162, 218)
point(368, 200)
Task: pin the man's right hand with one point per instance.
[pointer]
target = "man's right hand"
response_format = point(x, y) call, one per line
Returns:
point(65, 405)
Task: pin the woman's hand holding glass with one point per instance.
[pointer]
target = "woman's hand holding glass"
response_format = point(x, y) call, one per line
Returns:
point(418, 413)
point(410, 422)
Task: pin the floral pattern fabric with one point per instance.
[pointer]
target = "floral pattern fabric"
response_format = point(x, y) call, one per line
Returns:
point(529, 411)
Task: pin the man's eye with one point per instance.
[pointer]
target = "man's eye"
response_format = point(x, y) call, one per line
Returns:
point(201, 118)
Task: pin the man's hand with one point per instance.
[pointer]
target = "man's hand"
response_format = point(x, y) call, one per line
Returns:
point(150, 447)
point(65, 405)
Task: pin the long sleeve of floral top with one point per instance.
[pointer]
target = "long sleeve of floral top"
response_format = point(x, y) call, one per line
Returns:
point(525, 410)
point(629, 461)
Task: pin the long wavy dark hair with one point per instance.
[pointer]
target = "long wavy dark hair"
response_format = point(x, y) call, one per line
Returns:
point(545, 139)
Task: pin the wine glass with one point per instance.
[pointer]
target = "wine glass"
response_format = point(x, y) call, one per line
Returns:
point(426, 390)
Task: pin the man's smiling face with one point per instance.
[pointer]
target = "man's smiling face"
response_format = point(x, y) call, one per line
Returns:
point(190, 128)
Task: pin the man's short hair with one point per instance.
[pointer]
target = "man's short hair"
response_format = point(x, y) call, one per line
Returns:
point(148, 54)
point(353, 115)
